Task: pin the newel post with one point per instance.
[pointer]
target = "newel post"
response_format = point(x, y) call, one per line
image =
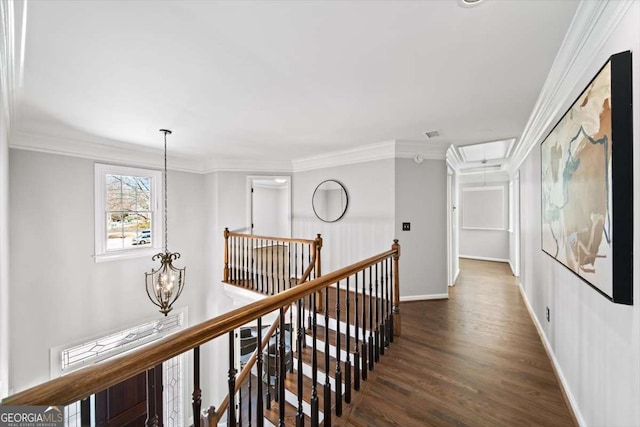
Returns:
point(318, 268)
point(225, 277)
point(396, 288)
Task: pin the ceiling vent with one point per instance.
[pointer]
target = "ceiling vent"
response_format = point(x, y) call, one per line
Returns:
point(432, 133)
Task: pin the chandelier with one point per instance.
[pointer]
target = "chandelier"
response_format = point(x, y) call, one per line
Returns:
point(165, 283)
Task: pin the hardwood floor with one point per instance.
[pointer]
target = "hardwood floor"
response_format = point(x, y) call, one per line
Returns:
point(473, 360)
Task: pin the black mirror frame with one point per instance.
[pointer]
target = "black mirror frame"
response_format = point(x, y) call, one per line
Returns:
point(346, 206)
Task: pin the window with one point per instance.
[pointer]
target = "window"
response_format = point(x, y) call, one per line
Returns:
point(128, 217)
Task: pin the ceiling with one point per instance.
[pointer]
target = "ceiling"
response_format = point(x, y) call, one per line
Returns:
point(283, 80)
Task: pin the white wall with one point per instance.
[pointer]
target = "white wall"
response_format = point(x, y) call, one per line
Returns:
point(596, 343)
point(421, 199)
point(59, 295)
point(366, 228)
point(485, 244)
point(4, 252)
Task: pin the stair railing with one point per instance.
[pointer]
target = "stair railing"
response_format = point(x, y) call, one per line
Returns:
point(268, 264)
point(215, 414)
point(383, 298)
point(367, 290)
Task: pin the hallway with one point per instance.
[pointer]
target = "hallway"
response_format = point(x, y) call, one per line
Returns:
point(473, 360)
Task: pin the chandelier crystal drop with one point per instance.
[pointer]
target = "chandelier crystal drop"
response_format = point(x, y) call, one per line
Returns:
point(165, 283)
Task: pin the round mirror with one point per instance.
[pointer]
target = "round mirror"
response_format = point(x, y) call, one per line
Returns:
point(330, 201)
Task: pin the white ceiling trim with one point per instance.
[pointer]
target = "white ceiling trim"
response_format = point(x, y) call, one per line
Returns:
point(453, 159)
point(365, 153)
point(428, 150)
point(13, 23)
point(249, 165)
point(136, 155)
point(112, 152)
point(592, 25)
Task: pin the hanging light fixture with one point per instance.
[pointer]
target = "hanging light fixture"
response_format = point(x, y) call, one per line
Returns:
point(165, 284)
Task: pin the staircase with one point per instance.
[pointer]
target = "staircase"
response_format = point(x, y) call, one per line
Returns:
point(332, 339)
point(335, 329)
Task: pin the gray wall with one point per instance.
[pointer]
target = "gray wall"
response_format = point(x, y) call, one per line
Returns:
point(595, 342)
point(59, 295)
point(421, 199)
point(485, 244)
point(367, 227)
point(4, 252)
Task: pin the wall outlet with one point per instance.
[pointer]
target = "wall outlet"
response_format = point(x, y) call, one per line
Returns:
point(548, 315)
point(406, 226)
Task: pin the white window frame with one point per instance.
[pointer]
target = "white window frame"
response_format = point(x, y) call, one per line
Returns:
point(101, 254)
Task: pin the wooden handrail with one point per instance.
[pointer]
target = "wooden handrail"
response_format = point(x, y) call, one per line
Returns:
point(92, 379)
point(279, 239)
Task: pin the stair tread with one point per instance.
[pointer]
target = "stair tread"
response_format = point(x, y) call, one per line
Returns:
point(307, 354)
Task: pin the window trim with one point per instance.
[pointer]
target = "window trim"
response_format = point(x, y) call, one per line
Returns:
point(101, 254)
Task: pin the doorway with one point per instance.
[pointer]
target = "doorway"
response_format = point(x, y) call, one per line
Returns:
point(269, 212)
point(453, 264)
point(125, 404)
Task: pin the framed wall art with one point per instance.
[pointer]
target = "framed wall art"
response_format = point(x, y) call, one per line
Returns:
point(587, 184)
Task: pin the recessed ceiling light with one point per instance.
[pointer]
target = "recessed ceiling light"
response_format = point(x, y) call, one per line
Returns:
point(432, 133)
point(280, 180)
point(469, 3)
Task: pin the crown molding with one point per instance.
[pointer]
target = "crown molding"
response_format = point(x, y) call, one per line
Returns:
point(105, 151)
point(365, 153)
point(453, 159)
point(248, 165)
point(13, 24)
point(428, 150)
point(111, 151)
point(592, 24)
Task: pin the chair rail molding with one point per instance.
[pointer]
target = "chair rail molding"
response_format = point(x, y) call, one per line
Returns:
point(592, 25)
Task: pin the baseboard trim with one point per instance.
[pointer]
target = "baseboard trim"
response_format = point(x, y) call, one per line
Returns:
point(423, 297)
point(564, 385)
point(513, 270)
point(483, 258)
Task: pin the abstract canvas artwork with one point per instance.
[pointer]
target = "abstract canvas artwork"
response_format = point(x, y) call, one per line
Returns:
point(587, 184)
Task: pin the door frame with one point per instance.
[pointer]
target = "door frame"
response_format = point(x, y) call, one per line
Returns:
point(249, 214)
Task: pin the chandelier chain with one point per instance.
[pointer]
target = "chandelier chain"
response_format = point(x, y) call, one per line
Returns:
point(166, 229)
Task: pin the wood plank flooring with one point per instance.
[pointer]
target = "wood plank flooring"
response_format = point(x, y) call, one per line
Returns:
point(473, 360)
